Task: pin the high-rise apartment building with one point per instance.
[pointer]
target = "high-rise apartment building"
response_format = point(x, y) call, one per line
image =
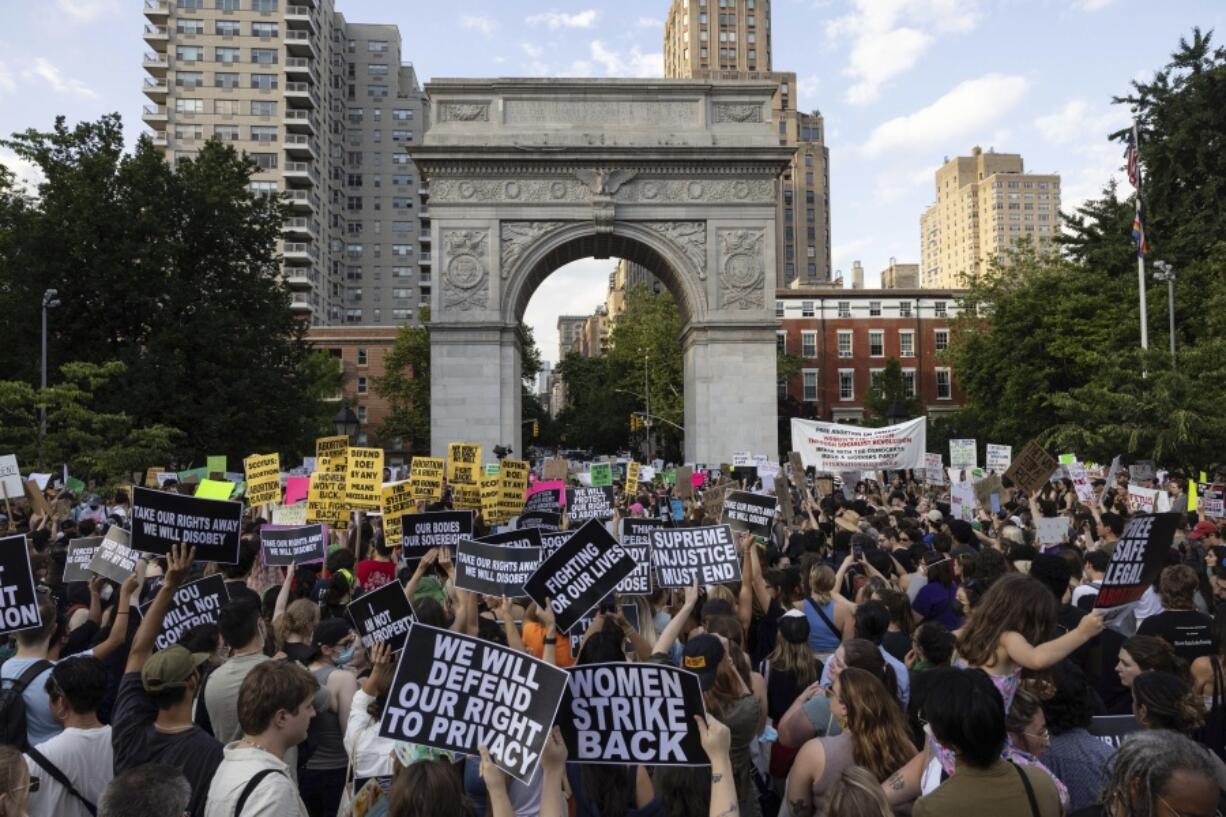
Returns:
point(731, 39)
point(327, 110)
point(985, 204)
point(570, 327)
point(625, 277)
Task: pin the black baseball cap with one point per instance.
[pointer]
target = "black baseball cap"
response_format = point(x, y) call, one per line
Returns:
point(702, 656)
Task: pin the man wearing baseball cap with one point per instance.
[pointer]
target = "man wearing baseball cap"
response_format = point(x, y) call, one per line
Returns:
point(1206, 534)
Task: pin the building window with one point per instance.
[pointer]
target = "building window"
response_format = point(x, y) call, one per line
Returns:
point(809, 380)
point(781, 342)
point(908, 382)
point(228, 28)
point(189, 105)
point(402, 250)
point(225, 107)
point(227, 5)
point(779, 309)
point(944, 385)
point(226, 133)
point(184, 26)
point(188, 53)
point(263, 29)
point(844, 309)
point(227, 55)
point(844, 343)
point(940, 339)
point(264, 188)
point(264, 161)
point(376, 46)
point(402, 114)
point(847, 384)
point(189, 79)
point(876, 343)
point(402, 294)
point(190, 5)
point(874, 309)
point(262, 108)
point(189, 133)
point(264, 56)
point(904, 309)
point(362, 414)
point(806, 309)
point(225, 79)
point(402, 136)
point(808, 344)
point(361, 385)
point(263, 133)
point(906, 343)
point(939, 309)
point(263, 5)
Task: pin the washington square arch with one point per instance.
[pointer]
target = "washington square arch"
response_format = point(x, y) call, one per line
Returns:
point(526, 175)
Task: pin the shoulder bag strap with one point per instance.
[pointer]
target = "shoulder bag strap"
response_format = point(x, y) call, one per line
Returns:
point(33, 671)
point(1034, 803)
point(250, 787)
point(61, 778)
point(822, 614)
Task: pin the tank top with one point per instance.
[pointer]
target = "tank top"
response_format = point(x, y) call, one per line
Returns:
point(823, 639)
point(325, 732)
point(838, 758)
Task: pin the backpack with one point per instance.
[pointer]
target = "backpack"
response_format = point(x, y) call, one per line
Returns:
point(13, 726)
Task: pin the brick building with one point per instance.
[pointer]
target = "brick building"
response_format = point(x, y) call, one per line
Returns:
point(845, 336)
point(360, 352)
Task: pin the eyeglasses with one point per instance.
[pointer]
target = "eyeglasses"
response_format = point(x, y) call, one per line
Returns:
point(31, 786)
point(1177, 813)
point(1042, 734)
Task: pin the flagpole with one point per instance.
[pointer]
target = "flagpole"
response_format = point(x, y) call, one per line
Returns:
point(1144, 319)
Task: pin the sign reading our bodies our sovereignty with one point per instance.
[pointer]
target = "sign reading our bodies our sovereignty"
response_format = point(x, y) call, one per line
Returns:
point(160, 520)
point(18, 597)
point(495, 570)
point(113, 559)
point(1139, 556)
point(458, 693)
point(833, 447)
point(589, 503)
point(382, 615)
point(80, 554)
point(284, 546)
point(574, 578)
point(683, 555)
point(753, 513)
point(364, 479)
point(636, 540)
point(632, 713)
point(423, 531)
point(263, 473)
point(426, 475)
point(464, 464)
point(193, 604)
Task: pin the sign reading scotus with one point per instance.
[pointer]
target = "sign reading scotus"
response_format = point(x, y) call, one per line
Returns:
point(833, 447)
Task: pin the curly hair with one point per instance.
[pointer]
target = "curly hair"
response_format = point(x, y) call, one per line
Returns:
point(879, 737)
point(1144, 766)
point(1169, 702)
point(1014, 603)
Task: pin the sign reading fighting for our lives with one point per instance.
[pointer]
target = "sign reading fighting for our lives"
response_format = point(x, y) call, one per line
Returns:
point(834, 447)
point(18, 597)
point(160, 520)
point(458, 693)
point(494, 570)
point(574, 578)
point(753, 513)
point(589, 503)
point(285, 546)
point(1139, 556)
point(193, 604)
point(382, 615)
point(632, 713)
point(636, 540)
point(113, 559)
point(685, 555)
point(423, 531)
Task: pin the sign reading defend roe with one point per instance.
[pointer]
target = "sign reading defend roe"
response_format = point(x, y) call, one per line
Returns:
point(683, 555)
point(160, 520)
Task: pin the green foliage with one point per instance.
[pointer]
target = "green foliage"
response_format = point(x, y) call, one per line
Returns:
point(887, 389)
point(405, 385)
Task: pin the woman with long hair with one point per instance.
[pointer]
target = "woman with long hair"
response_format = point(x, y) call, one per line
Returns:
point(1146, 653)
point(15, 783)
point(432, 788)
point(857, 793)
point(831, 617)
point(1161, 700)
point(788, 670)
point(1209, 682)
point(874, 736)
point(1026, 724)
point(293, 630)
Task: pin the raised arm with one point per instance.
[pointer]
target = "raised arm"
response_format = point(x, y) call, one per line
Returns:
point(744, 602)
point(278, 609)
point(1050, 653)
point(553, 762)
point(410, 589)
point(178, 563)
point(504, 612)
point(123, 609)
point(665, 640)
point(716, 742)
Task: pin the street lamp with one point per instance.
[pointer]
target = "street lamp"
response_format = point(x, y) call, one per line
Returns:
point(346, 423)
point(1166, 273)
point(51, 300)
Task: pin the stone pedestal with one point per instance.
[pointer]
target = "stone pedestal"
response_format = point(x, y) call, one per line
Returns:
point(730, 392)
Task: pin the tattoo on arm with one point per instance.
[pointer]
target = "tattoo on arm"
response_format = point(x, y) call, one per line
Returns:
point(896, 782)
point(801, 808)
point(715, 778)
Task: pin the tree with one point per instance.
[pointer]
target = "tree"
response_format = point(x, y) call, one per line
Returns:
point(405, 385)
point(887, 390)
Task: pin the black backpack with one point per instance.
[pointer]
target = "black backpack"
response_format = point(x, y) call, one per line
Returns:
point(13, 727)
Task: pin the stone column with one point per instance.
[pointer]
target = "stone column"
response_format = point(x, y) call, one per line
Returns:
point(474, 387)
point(730, 392)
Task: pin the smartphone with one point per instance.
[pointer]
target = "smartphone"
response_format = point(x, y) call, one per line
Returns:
point(857, 552)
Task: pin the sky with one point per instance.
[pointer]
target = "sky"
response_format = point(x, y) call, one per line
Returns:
point(902, 85)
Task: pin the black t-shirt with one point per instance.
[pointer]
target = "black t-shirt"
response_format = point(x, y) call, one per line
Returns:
point(136, 741)
point(1189, 632)
point(897, 644)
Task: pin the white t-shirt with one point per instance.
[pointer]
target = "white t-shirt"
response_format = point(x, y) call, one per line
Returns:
point(85, 758)
point(1083, 590)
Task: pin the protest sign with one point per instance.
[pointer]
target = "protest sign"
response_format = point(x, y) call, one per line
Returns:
point(263, 475)
point(555, 469)
point(426, 475)
point(382, 615)
point(215, 463)
point(296, 489)
point(545, 496)
point(713, 501)
point(589, 503)
point(1081, 482)
point(336, 448)
point(1031, 469)
point(80, 554)
point(464, 464)
point(214, 489)
point(465, 497)
point(193, 604)
point(492, 469)
point(113, 559)
point(160, 520)
point(986, 488)
point(835, 447)
point(18, 597)
point(332, 465)
point(783, 494)
point(632, 713)
point(284, 546)
point(512, 483)
point(962, 501)
point(745, 475)
point(457, 692)
point(527, 538)
point(753, 513)
point(364, 479)
point(396, 500)
point(423, 531)
point(489, 500)
point(632, 478)
point(636, 540)
point(574, 578)
point(629, 611)
point(1139, 556)
point(552, 541)
point(10, 477)
point(1142, 470)
point(1051, 530)
point(934, 470)
point(1112, 729)
point(602, 474)
point(683, 555)
point(1141, 499)
point(1212, 508)
point(542, 520)
point(326, 500)
point(495, 570)
point(999, 458)
point(38, 502)
point(963, 454)
point(740, 459)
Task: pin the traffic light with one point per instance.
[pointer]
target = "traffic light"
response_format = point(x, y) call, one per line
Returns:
point(536, 429)
point(634, 422)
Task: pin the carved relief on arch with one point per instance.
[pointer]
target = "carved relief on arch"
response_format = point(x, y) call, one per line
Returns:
point(517, 236)
point(465, 269)
point(742, 269)
point(690, 237)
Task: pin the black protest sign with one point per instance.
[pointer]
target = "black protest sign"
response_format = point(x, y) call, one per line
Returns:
point(80, 554)
point(495, 570)
point(1031, 469)
point(285, 546)
point(423, 531)
point(632, 713)
point(1139, 556)
point(193, 604)
point(746, 474)
point(542, 520)
point(552, 540)
point(682, 555)
point(160, 520)
point(579, 574)
point(548, 499)
point(1112, 729)
point(630, 612)
point(636, 540)
point(458, 693)
point(113, 559)
point(753, 513)
point(589, 503)
point(530, 538)
point(382, 615)
point(18, 599)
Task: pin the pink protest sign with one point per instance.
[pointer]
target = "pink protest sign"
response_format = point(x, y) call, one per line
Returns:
point(296, 489)
point(551, 485)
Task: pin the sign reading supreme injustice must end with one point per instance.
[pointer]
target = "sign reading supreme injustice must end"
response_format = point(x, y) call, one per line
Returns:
point(685, 555)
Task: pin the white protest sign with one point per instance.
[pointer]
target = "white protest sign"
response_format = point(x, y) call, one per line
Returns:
point(963, 454)
point(1051, 530)
point(962, 501)
point(832, 447)
point(10, 477)
point(1081, 482)
point(1141, 499)
point(999, 457)
point(934, 470)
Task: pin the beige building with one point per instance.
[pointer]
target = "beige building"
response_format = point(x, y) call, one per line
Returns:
point(900, 276)
point(593, 340)
point(327, 110)
point(731, 39)
point(985, 204)
point(625, 277)
point(570, 327)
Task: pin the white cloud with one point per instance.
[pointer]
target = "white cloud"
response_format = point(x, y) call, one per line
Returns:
point(28, 174)
point(44, 70)
point(574, 289)
point(554, 20)
point(1093, 5)
point(1079, 122)
point(651, 22)
point(806, 92)
point(966, 110)
point(632, 64)
point(7, 83)
point(84, 11)
point(842, 255)
point(485, 25)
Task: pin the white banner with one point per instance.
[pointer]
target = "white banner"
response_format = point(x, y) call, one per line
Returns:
point(833, 447)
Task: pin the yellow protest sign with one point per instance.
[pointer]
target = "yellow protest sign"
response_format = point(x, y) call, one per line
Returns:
point(263, 478)
point(632, 478)
point(364, 479)
point(490, 491)
point(466, 497)
point(464, 464)
point(326, 501)
point(512, 484)
point(333, 447)
point(214, 489)
point(397, 501)
point(427, 477)
point(393, 534)
point(331, 465)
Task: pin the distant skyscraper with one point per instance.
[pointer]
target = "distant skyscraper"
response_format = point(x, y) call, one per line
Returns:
point(570, 327)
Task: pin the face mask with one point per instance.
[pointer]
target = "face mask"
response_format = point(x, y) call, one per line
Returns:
point(106, 592)
point(345, 656)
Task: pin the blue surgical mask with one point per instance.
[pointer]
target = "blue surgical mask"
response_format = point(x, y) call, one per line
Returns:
point(346, 656)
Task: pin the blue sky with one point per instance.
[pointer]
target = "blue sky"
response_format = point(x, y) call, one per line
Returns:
point(901, 83)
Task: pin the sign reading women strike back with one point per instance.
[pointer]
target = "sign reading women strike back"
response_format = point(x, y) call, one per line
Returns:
point(632, 713)
point(683, 555)
point(1138, 558)
point(18, 600)
point(636, 540)
point(382, 615)
point(458, 693)
point(576, 576)
point(495, 570)
point(194, 603)
point(423, 531)
point(285, 546)
point(160, 520)
point(753, 513)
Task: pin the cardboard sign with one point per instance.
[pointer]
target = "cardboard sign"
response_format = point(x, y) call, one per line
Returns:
point(986, 488)
point(11, 484)
point(1031, 469)
point(542, 520)
point(685, 482)
point(838, 447)
point(682, 555)
point(423, 531)
point(426, 476)
point(396, 499)
point(326, 500)
point(1141, 499)
point(464, 464)
point(527, 538)
point(364, 479)
point(382, 615)
point(160, 520)
point(636, 540)
point(1051, 530)
point(38, 502)
point(555, 469)
point(783, 495)
point(263, 475)
point(1138, 558)
point(632, 478)
point(457, 692)
point(284, 546)
point(494, 570)
point(963, 454)
point(753, 513)
point(713, 501)
point(999, 458)
point(589, 503)
point(574, 578)
point(193, 604)
point(632, 713)
point(18, 598)
point(602, 474)
point(80, 554)
point(113, 559)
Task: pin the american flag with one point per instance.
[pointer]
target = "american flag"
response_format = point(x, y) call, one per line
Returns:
point(1132, 156)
